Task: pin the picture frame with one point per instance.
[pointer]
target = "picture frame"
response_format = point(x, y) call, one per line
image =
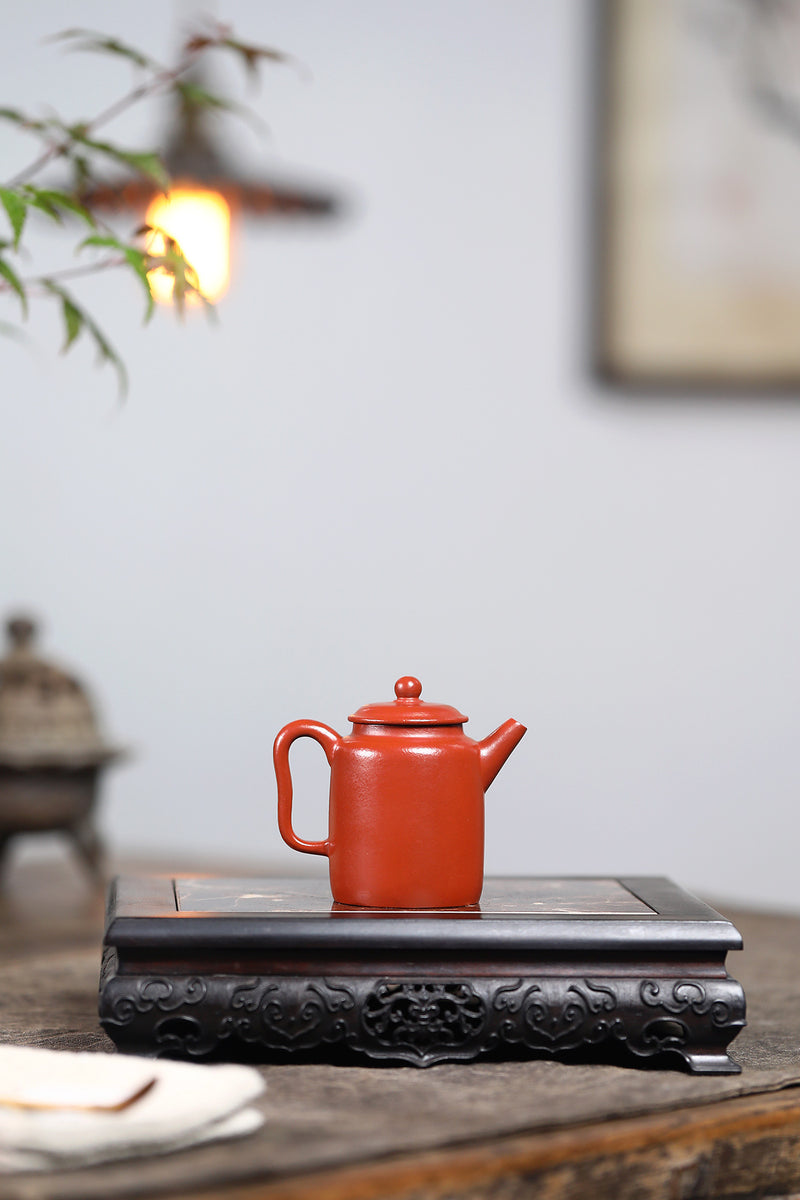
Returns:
point(696, 207)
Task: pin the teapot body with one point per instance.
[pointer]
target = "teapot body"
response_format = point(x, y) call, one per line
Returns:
point(406, 807)
point(406, 818)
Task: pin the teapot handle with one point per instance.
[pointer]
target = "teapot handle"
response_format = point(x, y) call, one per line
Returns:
point(328, 738)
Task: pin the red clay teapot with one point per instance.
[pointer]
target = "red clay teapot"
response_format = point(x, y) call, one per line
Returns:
point(405, 823)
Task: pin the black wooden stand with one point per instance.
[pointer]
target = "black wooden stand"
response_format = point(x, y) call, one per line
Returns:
point(270, 969)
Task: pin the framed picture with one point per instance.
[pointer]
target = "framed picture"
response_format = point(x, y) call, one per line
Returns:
point(698, 194)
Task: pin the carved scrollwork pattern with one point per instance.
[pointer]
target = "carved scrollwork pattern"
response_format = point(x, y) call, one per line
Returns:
point(686, 993)
point(160, 993)
point(292, 1014)
point(423, 1021)
point(689, 994)
point(556, 1014)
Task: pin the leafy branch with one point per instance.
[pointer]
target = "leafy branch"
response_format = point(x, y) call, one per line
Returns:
point(78, 144)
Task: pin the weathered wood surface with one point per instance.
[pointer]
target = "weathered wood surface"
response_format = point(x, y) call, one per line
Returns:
point(502, 1130)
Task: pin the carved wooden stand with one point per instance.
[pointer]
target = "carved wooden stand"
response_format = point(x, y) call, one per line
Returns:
point(265, 969)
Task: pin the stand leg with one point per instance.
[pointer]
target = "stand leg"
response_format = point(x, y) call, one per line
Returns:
point(710, 1061)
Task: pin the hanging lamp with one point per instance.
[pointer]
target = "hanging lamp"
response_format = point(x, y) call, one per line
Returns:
point(208, 195)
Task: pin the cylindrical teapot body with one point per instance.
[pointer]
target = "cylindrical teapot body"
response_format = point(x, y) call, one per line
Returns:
point(406, 818)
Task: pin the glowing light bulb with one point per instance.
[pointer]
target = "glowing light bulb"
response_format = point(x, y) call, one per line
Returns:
point(200, 222)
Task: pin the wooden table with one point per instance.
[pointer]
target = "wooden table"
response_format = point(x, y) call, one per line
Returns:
point(467, 1131)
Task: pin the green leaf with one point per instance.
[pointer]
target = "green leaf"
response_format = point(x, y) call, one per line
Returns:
point(74, 318)
point(35, 200)
point(82, 172)
point(60, 199)
point(252, 56)
point(173, 262)
point(88, 40)
point(73, 322)
point(198, 97)
point(17, 117)
point(17, 211)
point(138, 260)
point(102, 239)
point(107, 353)
point(145, 162)
point(51, 201)
point(254, 53)
point(15, 283)
point(208, 305)
point(77, 319)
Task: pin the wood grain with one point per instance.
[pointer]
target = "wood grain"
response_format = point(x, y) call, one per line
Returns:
point(737, 1149)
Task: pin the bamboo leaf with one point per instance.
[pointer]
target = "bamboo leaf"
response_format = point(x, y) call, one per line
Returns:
point(173, 262)
point(89, 40)
point(107, 353)
point(178, 268)
point(208, 305)
point(145, 162)
point(17, 211)
point(75, 320)
point(252, 56)
point(198, 97)
point(82, 172)
point(15, 283)
point(137, 261)
point(37, 200)
point(51, 201)
point(104, 240)
point(17, 117)
point(199, 42)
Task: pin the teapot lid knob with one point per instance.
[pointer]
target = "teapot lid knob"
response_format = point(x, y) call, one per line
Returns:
point(408, 688)
point(408, 709)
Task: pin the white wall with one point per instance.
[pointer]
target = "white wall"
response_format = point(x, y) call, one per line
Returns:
point(386, 461)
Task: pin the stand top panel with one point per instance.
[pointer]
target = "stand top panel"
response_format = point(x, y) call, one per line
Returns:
point(501, 897)
point(515, 914)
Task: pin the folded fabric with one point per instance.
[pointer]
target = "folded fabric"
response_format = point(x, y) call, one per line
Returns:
point(59, 1108)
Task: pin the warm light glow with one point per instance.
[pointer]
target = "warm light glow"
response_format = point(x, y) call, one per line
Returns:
point(200, 222)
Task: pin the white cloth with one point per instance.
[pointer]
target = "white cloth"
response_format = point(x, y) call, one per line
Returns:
point(59, 1108)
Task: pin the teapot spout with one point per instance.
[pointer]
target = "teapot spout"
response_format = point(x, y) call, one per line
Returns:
point(495, 749)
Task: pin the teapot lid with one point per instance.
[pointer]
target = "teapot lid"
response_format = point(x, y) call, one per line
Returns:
point(407, 709)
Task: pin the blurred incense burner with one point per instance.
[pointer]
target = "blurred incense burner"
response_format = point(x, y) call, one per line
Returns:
point(51, 750)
